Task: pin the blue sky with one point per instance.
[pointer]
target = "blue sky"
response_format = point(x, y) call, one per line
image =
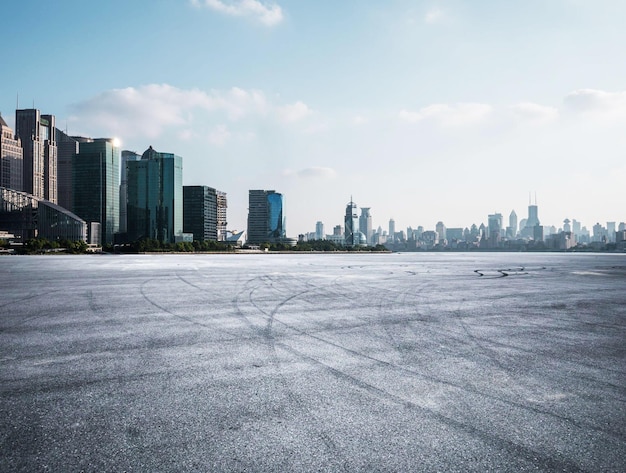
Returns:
point(421, 110)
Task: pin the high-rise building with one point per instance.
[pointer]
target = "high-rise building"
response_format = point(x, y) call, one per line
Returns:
point(440, 228)
point(511, 230)
point(319, 231)
point(200, 212)
point(67, 148)
point(351, 225)
point(95, 186)
point(266, 217)
point(495, 226)
point(533, 216)
point(11, 158)
point(155, 197)
point(222, 221)
point(365, 224)
point(127, 156)
point(392, 230)
point(37, 133)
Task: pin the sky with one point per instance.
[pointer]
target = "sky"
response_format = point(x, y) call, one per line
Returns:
point(424, 111)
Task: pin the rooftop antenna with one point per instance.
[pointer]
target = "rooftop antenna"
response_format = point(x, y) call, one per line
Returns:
point(529, 201)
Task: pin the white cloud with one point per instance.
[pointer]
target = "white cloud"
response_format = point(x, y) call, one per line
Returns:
point(269, 14)
point(456, 115)
point(596, 102)
point(294, 112)
point(528, 111)
point(149, 110)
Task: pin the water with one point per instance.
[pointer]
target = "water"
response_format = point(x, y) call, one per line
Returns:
point(384, 362)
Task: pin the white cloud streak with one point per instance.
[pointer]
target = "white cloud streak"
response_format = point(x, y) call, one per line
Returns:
point(149, 110)
point(268, 14)
point(456, 115)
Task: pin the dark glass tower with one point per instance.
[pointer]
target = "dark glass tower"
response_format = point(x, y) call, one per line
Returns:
point(266, 217)
point(200, 212)
point(95, 185)
point(155, 197)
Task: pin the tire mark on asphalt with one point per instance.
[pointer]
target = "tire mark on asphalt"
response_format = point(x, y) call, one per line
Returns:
point(534, 457)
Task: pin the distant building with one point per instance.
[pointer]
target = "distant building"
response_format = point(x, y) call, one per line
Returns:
point(37, 133)
point(200, 212)
point(440, 228)
point(351, 225)
point(495, 227)
point(392, 229)
point(319, 231)
point(222, 221)
point(511, 230)
point(365, 224)
point(95, 185)
point(155, 197)
point(11, 158)
point(266, 217)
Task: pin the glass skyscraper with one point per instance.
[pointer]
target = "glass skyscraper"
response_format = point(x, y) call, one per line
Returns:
point(95, 186)
point(155, 197)
point(266, 217)
point(200, 212)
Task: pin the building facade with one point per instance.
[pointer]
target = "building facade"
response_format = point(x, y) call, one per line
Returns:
point(37, 133)
point(95, 186)
point(126, 157)
point(200, 212)
point(351, 225)
point(27, 216)
point(11, 158)
point(365, 224)
point(266, 217)
point(222, 221)
point(155, 197)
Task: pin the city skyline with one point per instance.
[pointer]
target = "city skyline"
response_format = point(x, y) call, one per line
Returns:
point(424, 111)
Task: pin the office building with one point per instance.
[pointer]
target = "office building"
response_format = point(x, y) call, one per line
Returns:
point(351, 225)
point(37, 133)
point(67, 148)
point(222, 221)
point(11, 158)
point(440, 228)
point(200, 212)
point(155, 197)
point(266, 217)
point(126, 157)
point(319, 231)
point(494, 224)
point(365, 224)
point(95, 187)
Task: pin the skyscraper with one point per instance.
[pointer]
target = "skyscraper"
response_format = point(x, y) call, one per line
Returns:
point(67, 148)
point(11, 158)
point(222, 207)
point(495, 226)
point(37, 133)
point(392, 230)
point(319, 231)
point(155, 197)
point(440, 228)
point(365, 224)
point(351, 225)
point(200, 212)
point(266, 217)
point(512, 228)
point(127, 156)
point(95, 179)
